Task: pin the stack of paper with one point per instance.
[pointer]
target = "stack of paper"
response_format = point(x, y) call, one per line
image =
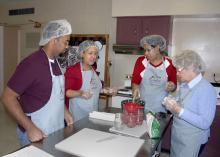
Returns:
point(101, 122)
point(137, 131)
point(94, 143)
point(29, 151)
point(102, 115)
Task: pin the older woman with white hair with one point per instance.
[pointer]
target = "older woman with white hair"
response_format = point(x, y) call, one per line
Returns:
point(154, 74)
point(82, 84)
point(193, 109)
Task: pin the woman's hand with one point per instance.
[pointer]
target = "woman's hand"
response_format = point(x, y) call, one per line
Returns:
point(68, 117)
point(109, 90)
point(172, 105)
point(136, 93)
point(86, 94)
point(170, 87)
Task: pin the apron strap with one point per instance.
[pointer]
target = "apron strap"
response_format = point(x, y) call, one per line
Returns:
point(51, 71)
point(59, 66)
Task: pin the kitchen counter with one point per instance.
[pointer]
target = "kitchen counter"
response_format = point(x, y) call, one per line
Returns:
point(146, 150)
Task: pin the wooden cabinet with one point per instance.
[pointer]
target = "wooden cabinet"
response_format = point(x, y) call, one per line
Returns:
point(128, 30)
point(131, 29)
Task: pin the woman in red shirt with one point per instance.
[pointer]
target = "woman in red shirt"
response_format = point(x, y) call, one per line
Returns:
point(82, 84)
point(154, 74)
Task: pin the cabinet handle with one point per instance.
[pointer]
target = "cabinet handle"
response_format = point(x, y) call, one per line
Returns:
point(146, 32)
point(135, 31)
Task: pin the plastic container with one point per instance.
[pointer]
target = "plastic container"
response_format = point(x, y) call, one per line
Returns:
point(133, 113)
point(118, 123)
point(140, 116)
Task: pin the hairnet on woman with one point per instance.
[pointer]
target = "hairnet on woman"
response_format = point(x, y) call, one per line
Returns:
point(83, 46)
point(154, 40)
point(193, 109)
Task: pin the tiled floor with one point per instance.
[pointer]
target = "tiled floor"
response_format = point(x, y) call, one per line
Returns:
point(164, 155)
point(8, 140)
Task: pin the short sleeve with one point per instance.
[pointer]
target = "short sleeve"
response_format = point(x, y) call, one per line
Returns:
point(69, 79)
point(22, 78)
point(138, 68)
point(69, 83)
point(171, 72)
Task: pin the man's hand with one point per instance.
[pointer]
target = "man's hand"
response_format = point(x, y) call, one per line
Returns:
point(12, 105)
point(35, 134)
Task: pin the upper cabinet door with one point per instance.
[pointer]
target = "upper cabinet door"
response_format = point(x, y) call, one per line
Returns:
point(146, 27)
point(157, 25)
point(128, 30)
point(131, 29)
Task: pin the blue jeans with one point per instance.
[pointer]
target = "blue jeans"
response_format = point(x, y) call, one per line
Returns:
point(22, 137)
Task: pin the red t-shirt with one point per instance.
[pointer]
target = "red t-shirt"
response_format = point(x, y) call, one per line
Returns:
point(140, 67)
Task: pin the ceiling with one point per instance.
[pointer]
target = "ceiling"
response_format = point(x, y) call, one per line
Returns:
point(11, 1)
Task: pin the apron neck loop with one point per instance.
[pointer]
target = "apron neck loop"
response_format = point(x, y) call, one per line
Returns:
point(51, 70)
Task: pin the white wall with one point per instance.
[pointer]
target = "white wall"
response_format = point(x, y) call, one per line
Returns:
point(24, 50)
point(201, 35)
point(86, 17)
point(124, 65)
point(10, 51)
point(164, 7)
point(1, 60)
